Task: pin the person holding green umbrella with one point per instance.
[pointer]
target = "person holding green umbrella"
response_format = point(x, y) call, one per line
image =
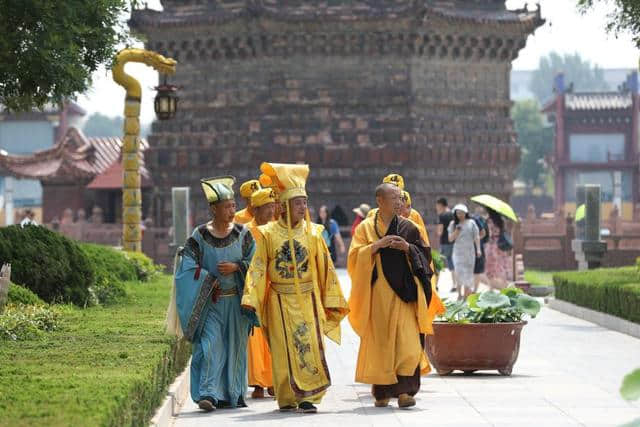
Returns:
point(498, 259)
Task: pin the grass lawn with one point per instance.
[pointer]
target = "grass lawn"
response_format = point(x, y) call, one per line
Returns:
point(103, 366)
point(539, 278)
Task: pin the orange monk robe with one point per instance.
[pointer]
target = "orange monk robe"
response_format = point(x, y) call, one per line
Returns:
point(388, 327)
point(243, 216)
point(259, 356)
point(416, 218)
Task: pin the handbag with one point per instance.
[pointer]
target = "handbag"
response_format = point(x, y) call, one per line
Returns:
point(505, 243)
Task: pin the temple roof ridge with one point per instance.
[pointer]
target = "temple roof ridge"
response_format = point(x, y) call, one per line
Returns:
point(74, 155)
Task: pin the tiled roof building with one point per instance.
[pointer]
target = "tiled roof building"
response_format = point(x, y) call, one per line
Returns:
point(78, 172)
point(596, 142)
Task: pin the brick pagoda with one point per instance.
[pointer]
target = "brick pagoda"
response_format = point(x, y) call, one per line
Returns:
point(357, 89)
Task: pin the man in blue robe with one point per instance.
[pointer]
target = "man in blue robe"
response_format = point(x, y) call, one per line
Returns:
point(205, 309)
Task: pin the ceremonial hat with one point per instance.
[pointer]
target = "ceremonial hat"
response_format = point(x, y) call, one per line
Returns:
point(394, 179)
point(218, 189)
point(262, 197)
point(289, 178)
point(406, 197)
point(249, 187)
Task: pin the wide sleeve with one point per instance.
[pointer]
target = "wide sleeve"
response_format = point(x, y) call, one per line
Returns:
point(248, 249)
point(255, 286)
point(193, 286)
point(333, 301)
point(360, 265)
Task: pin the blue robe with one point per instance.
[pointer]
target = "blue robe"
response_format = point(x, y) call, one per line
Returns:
point(218, 331)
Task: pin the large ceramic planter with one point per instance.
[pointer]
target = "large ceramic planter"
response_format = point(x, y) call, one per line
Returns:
point(474, 346)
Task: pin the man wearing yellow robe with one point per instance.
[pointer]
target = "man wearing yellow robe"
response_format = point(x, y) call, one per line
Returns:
point(293, 287)
point(247, 188)
point(390, 303)
point(263, 204)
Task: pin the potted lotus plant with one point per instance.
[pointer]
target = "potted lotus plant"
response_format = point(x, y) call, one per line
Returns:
point(481, 333)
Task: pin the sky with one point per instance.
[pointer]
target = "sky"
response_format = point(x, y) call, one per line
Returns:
point(565, 31)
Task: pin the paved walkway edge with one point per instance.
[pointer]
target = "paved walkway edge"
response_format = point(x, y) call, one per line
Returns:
point(603, 319)
point(176, 396)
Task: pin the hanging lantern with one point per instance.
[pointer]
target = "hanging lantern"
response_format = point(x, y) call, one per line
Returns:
point(166, 102)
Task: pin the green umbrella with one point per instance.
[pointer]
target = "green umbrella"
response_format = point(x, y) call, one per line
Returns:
point(497, 205)
point(580, 213)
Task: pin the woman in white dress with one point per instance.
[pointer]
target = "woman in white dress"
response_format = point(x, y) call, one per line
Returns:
point(465, 236)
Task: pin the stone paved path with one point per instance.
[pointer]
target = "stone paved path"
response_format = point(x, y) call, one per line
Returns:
point(568, 373)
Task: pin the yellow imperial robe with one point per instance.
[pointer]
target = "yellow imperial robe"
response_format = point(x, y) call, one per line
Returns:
point(389, 328)
point(259, 356)
point(243, 216)
point(294, 324)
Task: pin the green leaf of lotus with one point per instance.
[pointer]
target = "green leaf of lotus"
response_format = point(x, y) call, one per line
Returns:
point(528, 305)
point(511, 292)
point(472, 301)
point(630, 389)
point(493, 300)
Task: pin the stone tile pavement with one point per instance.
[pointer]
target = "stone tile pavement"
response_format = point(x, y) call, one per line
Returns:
point(568, 373)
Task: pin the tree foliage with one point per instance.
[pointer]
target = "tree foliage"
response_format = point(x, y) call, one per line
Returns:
point(50, 48)
point(625, 16)
point(581, 73)
point(100, 125)
point(535, 139)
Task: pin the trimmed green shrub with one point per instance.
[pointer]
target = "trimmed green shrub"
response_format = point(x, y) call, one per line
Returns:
point(144, 266)
point(113, 268)
point(108, 292)
point(109, 262)
point(21, 322)
point(21, 295)
point(49, 264)
point(615, 291)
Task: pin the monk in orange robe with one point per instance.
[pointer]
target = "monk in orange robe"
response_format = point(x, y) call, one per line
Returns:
point(390, 303)
point(263, 204)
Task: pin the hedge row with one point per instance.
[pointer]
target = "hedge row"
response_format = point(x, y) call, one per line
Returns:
point(60, 270)
point(47, 263)
point(103, 366)
point(615, 291)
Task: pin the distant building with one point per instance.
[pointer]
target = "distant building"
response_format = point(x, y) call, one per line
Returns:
point(521, 81)
point(26, 133)
point(596, 142)
point(78, 173)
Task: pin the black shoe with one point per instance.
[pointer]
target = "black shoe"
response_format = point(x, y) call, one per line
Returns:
point(288, 408)
point(307, 408)
point(223, 404)
point(207, 404)
point(241, 402)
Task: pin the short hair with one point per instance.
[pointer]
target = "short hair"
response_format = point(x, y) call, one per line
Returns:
point(381, 190)
point(442, 201)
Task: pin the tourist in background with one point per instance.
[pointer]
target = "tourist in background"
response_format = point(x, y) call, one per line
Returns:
point(465, 236)
point(29, 218)
point(479, 217)
point(445, 216)
point(331, 233)
point(361, 213)
point(499, 267)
